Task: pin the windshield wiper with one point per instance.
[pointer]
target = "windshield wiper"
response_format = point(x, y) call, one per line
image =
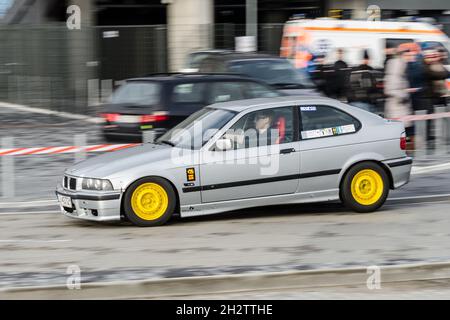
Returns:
point(287, 85)
point(166, 142)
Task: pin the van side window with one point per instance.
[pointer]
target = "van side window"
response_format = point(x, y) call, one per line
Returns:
point(317, 121)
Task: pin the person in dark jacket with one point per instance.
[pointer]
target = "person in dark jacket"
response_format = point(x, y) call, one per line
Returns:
point(362, 85)
point(415, 75)
point(340, 77)
point(321, 75)
point(435, 75)
point(365, 64)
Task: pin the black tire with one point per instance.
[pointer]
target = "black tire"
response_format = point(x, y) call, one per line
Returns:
point(138, 221)
point(346, 193)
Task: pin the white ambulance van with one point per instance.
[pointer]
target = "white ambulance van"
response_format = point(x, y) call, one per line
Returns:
point(303, 37)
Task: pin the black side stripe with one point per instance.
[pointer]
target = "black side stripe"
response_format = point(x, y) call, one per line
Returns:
point(258, 181)
point(400, 163)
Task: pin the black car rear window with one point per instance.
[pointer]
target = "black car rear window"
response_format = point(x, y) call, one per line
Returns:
point(137, 93)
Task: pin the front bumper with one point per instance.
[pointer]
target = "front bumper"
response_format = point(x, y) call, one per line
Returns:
point(400, 170)
point(94, 206)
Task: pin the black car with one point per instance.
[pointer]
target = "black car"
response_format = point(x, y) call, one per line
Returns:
point(275, 71)
point(159, 102)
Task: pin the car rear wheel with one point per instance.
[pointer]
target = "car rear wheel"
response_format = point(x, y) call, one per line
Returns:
point(149, 202)
point(365, 187)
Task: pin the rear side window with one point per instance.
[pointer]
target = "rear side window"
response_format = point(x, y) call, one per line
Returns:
point(256, 90)
point(225, 91)
point(189, 92)
point(317, 121)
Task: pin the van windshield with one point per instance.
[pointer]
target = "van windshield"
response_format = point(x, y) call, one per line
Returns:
point(273, 71)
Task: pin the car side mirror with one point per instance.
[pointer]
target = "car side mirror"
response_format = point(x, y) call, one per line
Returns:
point(223, 144)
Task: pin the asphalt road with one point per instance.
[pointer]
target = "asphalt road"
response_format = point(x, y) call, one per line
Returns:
point(411, 290)
point(37, 248)
point(38, 244)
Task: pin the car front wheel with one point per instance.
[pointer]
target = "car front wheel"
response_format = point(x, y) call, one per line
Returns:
point(149, 202)
point(365, 187)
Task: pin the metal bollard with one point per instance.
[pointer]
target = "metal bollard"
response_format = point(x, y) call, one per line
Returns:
point(420, 139)
point(7, 174)
point(440, 135)
point(148, 136)
point(80, 141)
point(447, 131)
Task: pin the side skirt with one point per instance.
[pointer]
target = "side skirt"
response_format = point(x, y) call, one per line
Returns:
point(223, 206)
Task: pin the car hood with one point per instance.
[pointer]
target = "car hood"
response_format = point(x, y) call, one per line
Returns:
point(112, 164)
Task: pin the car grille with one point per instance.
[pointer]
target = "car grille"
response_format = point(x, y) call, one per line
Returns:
point(70, 183)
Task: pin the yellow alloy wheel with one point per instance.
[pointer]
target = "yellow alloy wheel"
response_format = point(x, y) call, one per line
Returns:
point(367, 187)
point(149, 201)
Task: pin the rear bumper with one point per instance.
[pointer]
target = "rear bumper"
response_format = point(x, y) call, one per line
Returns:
point(400, 170)
point(131, 134)
point(93, 206)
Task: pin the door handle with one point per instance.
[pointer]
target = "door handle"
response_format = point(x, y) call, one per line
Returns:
point(286, 151)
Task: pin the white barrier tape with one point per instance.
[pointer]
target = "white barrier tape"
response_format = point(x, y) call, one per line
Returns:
point(419, 117)
point(64, 149)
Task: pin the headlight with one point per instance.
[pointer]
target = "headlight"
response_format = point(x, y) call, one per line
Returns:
point(96, 184)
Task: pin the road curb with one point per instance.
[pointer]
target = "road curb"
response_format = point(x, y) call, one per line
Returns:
point(205, 285)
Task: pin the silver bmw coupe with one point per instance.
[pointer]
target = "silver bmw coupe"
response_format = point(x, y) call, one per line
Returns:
point(243, 154)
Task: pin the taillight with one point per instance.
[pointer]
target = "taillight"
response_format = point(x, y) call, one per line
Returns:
point(153, 117)
point(110, 117)
point(403, 142)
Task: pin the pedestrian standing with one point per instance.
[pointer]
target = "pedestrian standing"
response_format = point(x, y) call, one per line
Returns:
point(415, 74)
point(396, 87)
point(339, 85)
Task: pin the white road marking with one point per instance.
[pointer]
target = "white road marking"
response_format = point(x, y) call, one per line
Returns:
point(33, 240)
point(428, 169)
point(38, 203)
point(51, 112)
point(422, 197)
point(27, 212)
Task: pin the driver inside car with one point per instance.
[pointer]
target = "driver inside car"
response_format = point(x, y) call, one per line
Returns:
point(261, 132)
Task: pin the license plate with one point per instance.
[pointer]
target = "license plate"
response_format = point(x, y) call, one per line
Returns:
point(128, 119)
point(65, 201)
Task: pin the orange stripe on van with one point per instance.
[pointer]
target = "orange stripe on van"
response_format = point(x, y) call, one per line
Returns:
point(374, 30)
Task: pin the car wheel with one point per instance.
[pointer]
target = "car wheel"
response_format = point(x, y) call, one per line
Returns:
point(365, 187)
point(149, 202)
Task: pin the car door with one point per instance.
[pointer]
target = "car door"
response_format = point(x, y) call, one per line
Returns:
point(328, 139)
point(257, 165)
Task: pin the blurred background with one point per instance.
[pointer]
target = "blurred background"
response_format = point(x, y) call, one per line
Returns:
point(44, 64)
point(60, 61)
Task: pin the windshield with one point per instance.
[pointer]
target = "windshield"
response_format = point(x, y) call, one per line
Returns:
point(137, 93)
point(273, 71)
point(197, 129)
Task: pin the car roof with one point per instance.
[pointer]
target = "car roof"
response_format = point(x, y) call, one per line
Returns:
point(247, 56)
point(242, 105)
point(181, 77)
